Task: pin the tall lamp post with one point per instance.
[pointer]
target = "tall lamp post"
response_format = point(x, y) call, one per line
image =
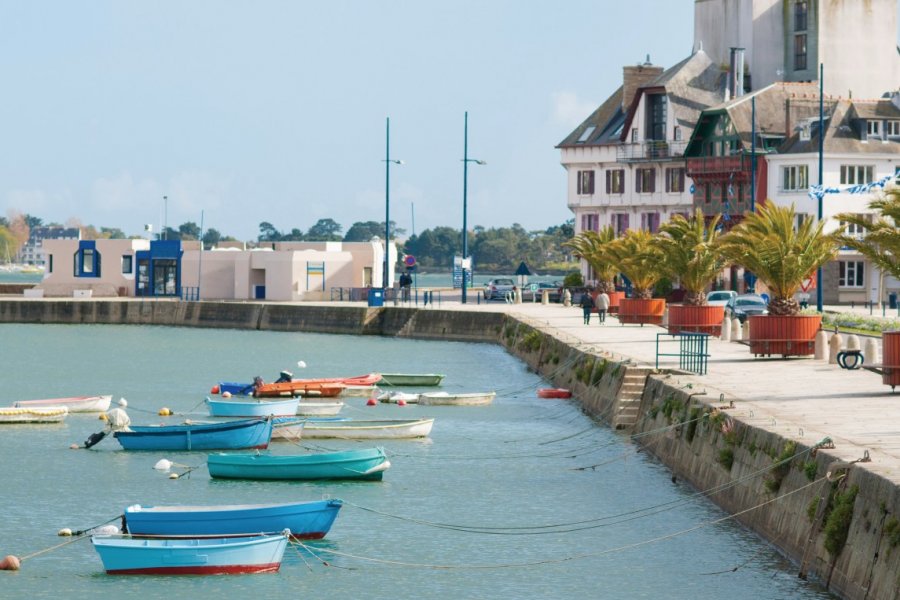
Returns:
point(387, 202)
point(166, 217)
point(465, 234)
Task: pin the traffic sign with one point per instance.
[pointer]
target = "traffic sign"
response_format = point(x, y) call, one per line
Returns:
point(409, 260)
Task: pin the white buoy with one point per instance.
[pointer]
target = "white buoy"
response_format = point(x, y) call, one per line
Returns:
point(106, 530)
point(64, 532)
point(123, 402)
point(163, 464)
point(173, 475)
point(226, 394)
point(10, 563)
point(301, 364)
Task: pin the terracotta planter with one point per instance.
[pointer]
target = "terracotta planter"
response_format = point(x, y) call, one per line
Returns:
point(793, 335)
point(614, 299)
point(639, 310)
point(890, 343)
point(695, 319)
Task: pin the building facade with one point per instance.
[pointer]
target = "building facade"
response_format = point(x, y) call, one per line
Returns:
point(32, 252)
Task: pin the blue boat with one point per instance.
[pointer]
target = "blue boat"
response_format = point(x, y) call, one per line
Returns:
point(368, 464)
point(228, 435)
point(125, 555)
point(252, 407)
point(306, 520)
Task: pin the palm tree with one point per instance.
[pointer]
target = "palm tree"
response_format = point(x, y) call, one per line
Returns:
point(638, 257)
point(690, 251)
point(881, 243)
point(589, 245)
point(767, 244)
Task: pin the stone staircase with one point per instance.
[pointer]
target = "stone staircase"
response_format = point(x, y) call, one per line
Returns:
point(628, 399)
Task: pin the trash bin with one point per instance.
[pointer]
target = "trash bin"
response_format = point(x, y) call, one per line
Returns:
point(892, 300)
point(376, 297)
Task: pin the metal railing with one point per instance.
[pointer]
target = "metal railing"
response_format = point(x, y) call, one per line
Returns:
point(692, 352)
point(190, 294)
point(652, 150)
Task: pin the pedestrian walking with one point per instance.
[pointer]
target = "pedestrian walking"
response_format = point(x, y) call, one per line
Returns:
point(602, 306)
point(587, 304)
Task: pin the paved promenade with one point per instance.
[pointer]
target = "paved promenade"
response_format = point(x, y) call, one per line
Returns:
point(799, 398)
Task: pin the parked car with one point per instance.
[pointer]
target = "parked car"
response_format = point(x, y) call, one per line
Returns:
point(498, 288)
point(746, 305)
point(720, 297)
point(534, 291)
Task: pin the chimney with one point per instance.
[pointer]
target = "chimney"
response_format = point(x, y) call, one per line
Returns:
point(736, 73)
point(636, 77)
point(787, 118)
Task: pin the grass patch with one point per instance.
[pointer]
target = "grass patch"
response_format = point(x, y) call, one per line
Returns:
point(837, 525)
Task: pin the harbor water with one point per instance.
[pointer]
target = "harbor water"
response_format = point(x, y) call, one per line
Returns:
point(525, 498)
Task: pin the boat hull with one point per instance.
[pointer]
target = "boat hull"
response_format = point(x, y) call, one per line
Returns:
point(367, 465)
point(319, 409)
point(209, 556)
point(441, 399)
point(423, 379)
point(74, 403)
point(306, 520)
point(230, 435)
point(554, 393)
point(369, 430)
point(252, 408)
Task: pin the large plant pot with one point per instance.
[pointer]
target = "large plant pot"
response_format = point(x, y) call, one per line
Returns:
point(890, 347)
point(614, 299)
point(640, 310)
point(695, 319)
point(793, 335)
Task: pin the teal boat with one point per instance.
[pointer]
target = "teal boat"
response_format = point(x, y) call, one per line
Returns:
point(368, 464)
point(419, 379)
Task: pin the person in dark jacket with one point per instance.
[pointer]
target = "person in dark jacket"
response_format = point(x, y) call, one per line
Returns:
point(587, 304)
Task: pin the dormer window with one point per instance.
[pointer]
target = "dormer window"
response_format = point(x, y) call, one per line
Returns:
point(892, 128)
point(801, 15)
point(805, 132)
point(873, 128)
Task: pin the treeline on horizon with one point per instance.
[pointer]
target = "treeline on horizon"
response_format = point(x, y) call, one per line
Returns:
point(498, 249)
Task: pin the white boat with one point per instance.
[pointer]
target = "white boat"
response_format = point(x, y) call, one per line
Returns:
point(74, 403)
point(393, 397)
point(445, 399)
point(358, 391)
point(319, 409)
point(39, 414)
point(368, 430)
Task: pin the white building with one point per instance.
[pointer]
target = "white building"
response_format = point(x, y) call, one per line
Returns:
point(624, 163)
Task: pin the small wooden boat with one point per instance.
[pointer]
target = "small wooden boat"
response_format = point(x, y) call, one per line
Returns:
point(313, 385)
point(445, 399)
point(368, 430)
point(394, 396)
point(423, 379)
point(554, 393)
point(319, 409)
point(367, 464)
point(39, 414)
point(305, 520)
point(228, 435)
point(252, 407)
point(126, 555)
point(358, 391)
point(74, 404)
point(298, 387)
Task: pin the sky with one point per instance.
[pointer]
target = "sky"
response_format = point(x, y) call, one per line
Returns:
point(275, 111)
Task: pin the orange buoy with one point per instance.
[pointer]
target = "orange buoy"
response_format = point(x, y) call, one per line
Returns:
point(371, 402)
point(10, 563)
point(401, 402)
point(214, 389)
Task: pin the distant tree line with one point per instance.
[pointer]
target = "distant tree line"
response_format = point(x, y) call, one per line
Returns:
point(498, 249)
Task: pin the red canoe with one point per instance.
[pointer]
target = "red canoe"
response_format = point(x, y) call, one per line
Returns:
point(554, 393)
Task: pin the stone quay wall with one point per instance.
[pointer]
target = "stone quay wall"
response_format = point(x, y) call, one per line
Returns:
point(837, 521)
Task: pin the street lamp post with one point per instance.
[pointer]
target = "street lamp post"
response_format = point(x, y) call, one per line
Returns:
point(166, 217)
point(465, 235)
point(387, 202)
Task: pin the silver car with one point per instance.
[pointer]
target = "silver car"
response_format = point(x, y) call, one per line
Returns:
point(746, 305)
point(720, 297)
point(498, 288)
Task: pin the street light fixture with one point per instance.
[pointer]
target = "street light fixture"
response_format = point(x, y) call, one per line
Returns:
point(387, 202)
point(166, 217)
point(465, 235)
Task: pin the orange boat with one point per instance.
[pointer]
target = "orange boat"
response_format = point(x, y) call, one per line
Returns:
point(286, 385)
point(554, 393)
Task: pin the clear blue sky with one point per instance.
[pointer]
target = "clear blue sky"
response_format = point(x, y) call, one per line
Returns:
point(275, 110)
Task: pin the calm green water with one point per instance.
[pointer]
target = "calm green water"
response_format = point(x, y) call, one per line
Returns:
point(508, 466)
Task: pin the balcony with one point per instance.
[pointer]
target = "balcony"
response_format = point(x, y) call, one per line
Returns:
point(650, 151)
point(713, 166)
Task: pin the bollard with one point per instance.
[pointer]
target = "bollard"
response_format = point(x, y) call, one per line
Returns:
point(545, 297)
point(735, 330)
point(853, 342)
point(834, 346)
point(745, 330)
point(870, 353)
point(567, 298)
point(726, 331)
point(821, 345)
point(665, 317)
